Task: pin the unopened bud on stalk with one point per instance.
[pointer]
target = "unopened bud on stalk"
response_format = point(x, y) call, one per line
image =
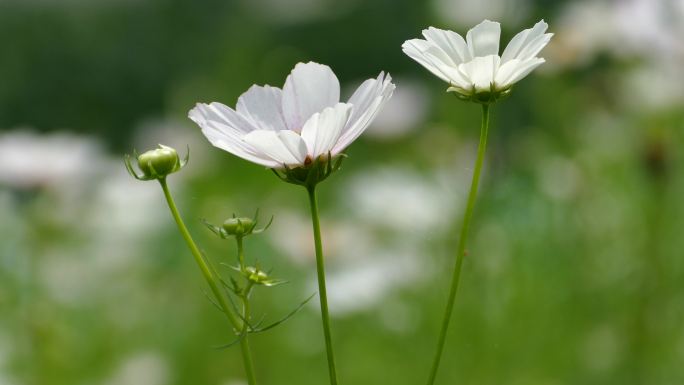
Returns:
point(260, 277)
point(239, 226)
point(157, 163)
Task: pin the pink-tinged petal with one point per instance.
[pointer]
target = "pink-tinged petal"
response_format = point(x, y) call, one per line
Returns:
point(364, 95)
point(364, 117)
point(323, 129)
point(450, 42)
point(483, 39)
point(282, 147)
point(262, 106)
point(224, 128)
point(522, 40)
point(309, 88)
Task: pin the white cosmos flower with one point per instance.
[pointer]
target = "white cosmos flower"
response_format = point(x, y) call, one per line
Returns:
point(473, 65)
point(293, 126)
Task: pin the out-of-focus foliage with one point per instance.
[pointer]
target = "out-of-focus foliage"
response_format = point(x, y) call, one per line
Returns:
point(575, 264)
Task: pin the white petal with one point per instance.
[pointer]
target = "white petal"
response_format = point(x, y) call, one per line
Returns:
point(417, 50)
point(283, 147)
point(323, 129)
point(454, 74)
point(435, 60)
point(308, 89)
point(535, 46)
point(514, 70)
point(224, 128)
point(450, 42)
point(481, 71)
point(521, 40)
point(366, 113)
point(262, 106)
point(483, 39)
point(364, 96)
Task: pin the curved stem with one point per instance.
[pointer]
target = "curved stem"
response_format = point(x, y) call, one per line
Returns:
point(461, 243)
point(322, 293)
point(211, 280)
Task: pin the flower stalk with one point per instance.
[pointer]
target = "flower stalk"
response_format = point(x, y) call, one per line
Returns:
point(322, 292)
point(460, 253)
point(214, 285)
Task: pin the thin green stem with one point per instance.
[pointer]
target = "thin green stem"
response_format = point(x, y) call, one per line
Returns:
point(212, 281)
point(244, 346)
point(322, 292)
point(461, 243)
point(241, 253)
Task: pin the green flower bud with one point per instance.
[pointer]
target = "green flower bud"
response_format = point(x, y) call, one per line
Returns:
point(159, 162)
point(239, 226)
point(259, 277)
point(255, 275)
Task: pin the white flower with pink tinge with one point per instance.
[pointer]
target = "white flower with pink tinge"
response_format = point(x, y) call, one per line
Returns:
point(473, 66)
point(296, 125)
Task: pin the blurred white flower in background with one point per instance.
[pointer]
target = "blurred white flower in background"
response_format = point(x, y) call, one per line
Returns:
point(114, 222)
point(651, 87)
point(367, 283)
point(104, 214)
point(291, 232)
point(469, 12)
point(392, 215)
point(400, 199)
point(473, 66)
point(296, 125)
point(142, 368)
point(644, 28)
point(29, 160)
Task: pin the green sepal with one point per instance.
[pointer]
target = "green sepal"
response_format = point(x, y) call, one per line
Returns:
point(313, 173)
point(238, 227)
point(481, 97)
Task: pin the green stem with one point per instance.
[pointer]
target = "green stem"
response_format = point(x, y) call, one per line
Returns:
point(322, 293)
point(241, 253)
point(244, 346)
point(461, 243)
point(212, 281)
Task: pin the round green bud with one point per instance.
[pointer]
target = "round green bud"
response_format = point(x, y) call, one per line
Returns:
point(239, 226)
point(159, 162)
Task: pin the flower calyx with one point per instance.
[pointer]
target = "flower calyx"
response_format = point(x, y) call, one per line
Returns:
point(238, 227)
point(490, 96)
point(157, 163)
point(311, 173)
point(259, 277)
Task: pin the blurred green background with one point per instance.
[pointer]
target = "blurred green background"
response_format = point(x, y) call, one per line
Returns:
point(575, 269)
